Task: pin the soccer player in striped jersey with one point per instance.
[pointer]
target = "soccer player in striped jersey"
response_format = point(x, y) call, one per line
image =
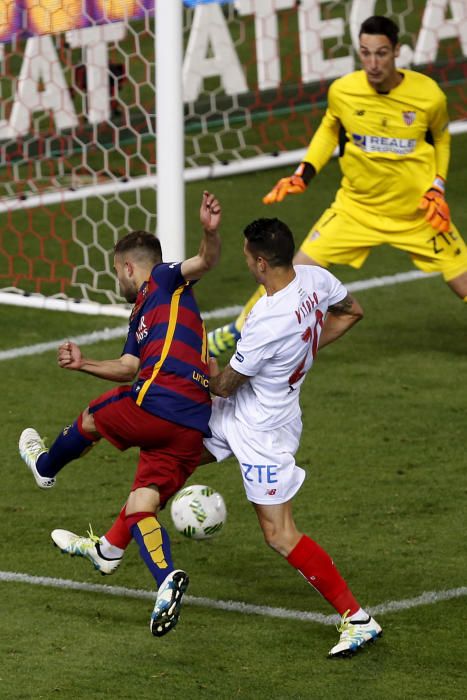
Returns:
point(391, 127)
point(165, 412)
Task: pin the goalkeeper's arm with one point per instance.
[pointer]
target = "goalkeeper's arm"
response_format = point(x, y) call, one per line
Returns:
point(295, 184)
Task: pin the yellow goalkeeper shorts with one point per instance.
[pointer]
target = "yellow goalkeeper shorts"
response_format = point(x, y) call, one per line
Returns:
point(347, 236)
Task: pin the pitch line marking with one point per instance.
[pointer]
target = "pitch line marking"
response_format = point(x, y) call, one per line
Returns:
point(228, 311)
point(426, 598)
point(85, 339)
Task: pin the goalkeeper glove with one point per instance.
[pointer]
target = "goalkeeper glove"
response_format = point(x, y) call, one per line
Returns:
point(286, 185)
point(437, 209)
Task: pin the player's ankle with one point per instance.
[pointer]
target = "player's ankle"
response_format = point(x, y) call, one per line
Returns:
point(110, 551)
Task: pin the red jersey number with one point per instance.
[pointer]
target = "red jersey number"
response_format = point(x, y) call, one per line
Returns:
point(309, 335)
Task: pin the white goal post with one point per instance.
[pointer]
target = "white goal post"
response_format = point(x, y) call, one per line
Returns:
point(105, 116)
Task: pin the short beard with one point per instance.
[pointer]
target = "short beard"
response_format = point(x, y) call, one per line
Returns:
point(131, 297)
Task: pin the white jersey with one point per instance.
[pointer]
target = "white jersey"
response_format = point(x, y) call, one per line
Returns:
point(278, 344)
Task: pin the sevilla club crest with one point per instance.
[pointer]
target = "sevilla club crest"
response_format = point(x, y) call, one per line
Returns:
point(409, 117)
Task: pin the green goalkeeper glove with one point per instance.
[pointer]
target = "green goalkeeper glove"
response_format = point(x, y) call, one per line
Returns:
point(437, 209)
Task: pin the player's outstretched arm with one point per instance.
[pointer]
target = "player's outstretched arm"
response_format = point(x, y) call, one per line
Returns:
point(339, 319)
point(123, 369)
point(210, 215)
point(436, 207)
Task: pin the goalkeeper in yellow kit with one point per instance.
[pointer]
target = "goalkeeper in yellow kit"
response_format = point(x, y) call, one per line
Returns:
point(391, 127)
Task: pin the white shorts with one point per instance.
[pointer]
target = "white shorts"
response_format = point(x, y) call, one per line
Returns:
point(266, 458)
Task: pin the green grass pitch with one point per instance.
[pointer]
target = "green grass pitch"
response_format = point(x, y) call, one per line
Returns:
point(384, 447)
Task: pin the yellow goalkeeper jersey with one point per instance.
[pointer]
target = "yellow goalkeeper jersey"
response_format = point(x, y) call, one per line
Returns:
point(387, 162)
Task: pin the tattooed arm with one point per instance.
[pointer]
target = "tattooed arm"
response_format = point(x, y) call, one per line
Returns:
point(339, 319)
point(226, 382)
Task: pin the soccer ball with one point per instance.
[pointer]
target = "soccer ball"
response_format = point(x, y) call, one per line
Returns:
point(198, 512)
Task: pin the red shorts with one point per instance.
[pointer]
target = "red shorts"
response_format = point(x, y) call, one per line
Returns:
point(169, 453)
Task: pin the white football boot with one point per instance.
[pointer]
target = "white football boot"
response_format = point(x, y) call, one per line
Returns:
point(353, 636)
point(31, 447)
point(87, 547)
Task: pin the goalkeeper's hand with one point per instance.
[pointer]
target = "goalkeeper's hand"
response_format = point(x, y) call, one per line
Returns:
point(286, 185)
point(436, 207)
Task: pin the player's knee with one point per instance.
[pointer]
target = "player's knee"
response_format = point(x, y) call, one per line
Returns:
point(144, 499)
point(302, 258)
point(87, 422)
point(458, 285)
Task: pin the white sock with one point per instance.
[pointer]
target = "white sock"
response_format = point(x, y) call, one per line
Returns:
point(360, 616)
point(109, 551)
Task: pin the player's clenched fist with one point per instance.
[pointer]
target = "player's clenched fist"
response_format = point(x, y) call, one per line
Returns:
point(287, 185)
point(437, 209)
point(69, 356)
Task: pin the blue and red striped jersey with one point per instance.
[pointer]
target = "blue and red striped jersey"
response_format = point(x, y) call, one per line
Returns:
point(167, 334)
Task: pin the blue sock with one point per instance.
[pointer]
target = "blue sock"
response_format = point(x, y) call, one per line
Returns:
point(69, 445)
point(154, 544)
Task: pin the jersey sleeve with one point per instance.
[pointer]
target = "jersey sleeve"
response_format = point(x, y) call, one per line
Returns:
point(439, 122)
point(326, 138)
point(336, 290)
point(131, 345)
point(168, 276)
point(255, 347)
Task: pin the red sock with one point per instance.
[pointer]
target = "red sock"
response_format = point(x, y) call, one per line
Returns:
point(319, 570)
point(119, 534)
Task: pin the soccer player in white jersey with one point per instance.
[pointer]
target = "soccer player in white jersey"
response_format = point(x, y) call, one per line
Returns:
point(391, 127)
point(256, 414)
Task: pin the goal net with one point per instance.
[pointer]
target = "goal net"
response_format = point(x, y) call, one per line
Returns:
point(78, 128)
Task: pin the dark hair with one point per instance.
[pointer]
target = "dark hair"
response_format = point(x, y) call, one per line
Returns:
point(272, 240)
point(381, 25)
point(142, 244)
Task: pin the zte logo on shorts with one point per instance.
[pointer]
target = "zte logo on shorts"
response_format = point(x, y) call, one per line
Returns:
point(239, 357)
point(260, 473)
